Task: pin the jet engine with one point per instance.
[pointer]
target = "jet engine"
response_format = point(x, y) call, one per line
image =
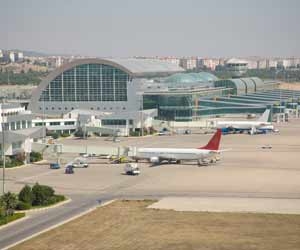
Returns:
point(154, 159)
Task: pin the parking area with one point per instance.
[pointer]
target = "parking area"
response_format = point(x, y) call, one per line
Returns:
point(247, 170)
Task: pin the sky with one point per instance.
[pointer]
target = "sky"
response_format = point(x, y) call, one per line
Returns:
point(124, 28)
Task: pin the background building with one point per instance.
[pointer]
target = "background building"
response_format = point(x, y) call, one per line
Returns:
point(17, 129)
point(188, 63)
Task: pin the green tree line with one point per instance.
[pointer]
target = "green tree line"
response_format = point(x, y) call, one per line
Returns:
point(31, 77)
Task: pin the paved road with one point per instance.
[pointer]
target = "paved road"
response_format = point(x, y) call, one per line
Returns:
point(38, 221)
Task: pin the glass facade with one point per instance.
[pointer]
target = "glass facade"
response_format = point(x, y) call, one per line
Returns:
point(114, 122)
point(88, 82)
point(183, 107)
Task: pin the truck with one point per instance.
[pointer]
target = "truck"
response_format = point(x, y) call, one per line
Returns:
point(132, 169)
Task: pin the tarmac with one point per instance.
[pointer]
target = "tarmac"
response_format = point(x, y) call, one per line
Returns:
point(247, 174)
point(227, 204)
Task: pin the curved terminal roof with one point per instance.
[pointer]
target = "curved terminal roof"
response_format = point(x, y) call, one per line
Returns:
point(208, 76)
point(133, 67)
point(251, 85)
point(202, 77)
point(258, 82)
point(145, 66)
point(240, 85)
point(244, 85)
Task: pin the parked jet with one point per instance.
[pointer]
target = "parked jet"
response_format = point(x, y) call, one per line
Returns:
point(252, 127)
point(203, 155)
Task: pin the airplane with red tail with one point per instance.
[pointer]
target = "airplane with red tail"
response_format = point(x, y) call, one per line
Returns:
point(203, 155)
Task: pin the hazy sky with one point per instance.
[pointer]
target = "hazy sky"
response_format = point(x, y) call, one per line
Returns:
point(122, 28)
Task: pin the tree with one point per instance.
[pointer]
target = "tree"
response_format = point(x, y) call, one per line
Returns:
point(2, 213)
point(9, 201)
point(41, 194)
point(25, 195)
point(35, 156)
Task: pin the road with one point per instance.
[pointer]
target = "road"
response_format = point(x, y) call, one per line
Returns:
point(38, 221)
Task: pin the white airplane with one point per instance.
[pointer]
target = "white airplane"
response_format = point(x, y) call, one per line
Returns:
point(203, 155)
point(260, 126)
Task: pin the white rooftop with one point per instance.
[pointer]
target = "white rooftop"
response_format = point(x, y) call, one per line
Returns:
point(141, 66)
point(236, 61)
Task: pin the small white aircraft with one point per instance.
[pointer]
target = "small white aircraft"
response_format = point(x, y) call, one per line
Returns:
point(260, 126)
point(203, 155)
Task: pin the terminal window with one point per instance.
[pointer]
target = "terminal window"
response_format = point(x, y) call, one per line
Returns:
point(88, 82)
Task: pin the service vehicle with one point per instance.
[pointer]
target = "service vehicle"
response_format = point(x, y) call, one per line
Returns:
point(80, 163)
point(132, 169)
point(69, 169)
point(54, 165)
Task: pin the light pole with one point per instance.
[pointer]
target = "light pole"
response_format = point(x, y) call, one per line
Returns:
point(44, 124)
point(142, 118)
point(3, 157)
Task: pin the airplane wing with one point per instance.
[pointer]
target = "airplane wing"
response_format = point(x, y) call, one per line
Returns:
point(222, 150)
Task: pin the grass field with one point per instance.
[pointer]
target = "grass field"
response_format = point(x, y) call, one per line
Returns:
point(130, 225)
point(11, 218)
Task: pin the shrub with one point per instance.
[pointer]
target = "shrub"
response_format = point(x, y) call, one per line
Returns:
point(23, 205)
point(9, 203)
point(59, 197)
point(2, 211)
point(134, 133)
point(26, 195)
point(35, 156)
point(51, 200)
point(55, 199)
point(65, 135)
point(41, 194)
point(55, 135)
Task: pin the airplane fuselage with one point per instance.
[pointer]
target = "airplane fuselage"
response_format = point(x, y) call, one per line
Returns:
point(244, 124)
point(173, 153)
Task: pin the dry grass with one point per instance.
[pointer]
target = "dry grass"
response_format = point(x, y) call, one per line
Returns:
point(129, 225)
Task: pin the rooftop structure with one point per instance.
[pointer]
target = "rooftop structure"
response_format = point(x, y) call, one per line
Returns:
point(237, 67)
point(245, 85)
point(188, 78)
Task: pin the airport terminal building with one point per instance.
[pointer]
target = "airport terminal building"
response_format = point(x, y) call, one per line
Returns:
point(110, 88)
point(96, 84)
point(129, 93)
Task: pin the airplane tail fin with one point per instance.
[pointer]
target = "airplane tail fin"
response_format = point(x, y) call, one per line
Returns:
point(265, 116)
point(214, 142)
